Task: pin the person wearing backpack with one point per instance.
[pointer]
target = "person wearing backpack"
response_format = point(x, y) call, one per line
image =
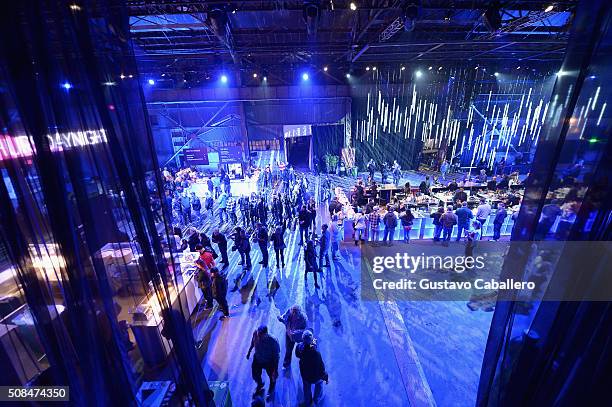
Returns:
point(312, 369)
point(390, 222)
point(294, 320)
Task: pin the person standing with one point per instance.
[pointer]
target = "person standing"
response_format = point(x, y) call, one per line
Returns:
point(245, 249)
point(336, 233)
point(294, 320)
point(231, 209)
point(448, 220)
point(196, 206)
point(204, 264)
point(244, 205)
point(482, 213)
point(186, 208)
point(223, 208)
point(262, 241)
point(219, 291)
point(266, 357)
point(208, 204)
point(371, 168)
point(374, 221)
point(464, 215)
point(324, 246)
point(278, 241)
point(437, 222)
point(310, 262)
point(312, 369)
point(407, 219)
point(304, 222)
point(221, 241)
point(359, 226)
point(397, 173)
point(459, 197)
point(500, 217)
point(390, 222)
point(444, 169)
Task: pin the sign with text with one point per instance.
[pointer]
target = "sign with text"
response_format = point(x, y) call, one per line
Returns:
point(23, 146)
point(297, 130)
point(196, 156)
point(231, 154)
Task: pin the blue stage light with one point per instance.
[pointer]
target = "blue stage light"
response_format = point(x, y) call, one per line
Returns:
point(305, 76)
point(151, 82)
point(67, 85)
point(224, 78)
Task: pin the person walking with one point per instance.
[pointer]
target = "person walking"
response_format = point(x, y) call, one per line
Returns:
point(205, 263)
point(437, 222)
point(219, 291)
point(374, 221)
point(336, 234)
point(294, 320)
point(324, 244)
point(261, 235)
point(310, 262)
point(186, 208)
point(482, 213)
point(231, 209)
point(312, 369)
point(266, 357)
point(448, 220)
point(221, 241)
point(208, 204)
point(278, 242)
point(390, 222)
point(500, 217)
point(407, 219)
point(464, 215)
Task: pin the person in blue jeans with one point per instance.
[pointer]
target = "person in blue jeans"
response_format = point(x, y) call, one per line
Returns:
point(437, 222)
point(464, 215)
point(500, 216)
point(390, 222)
point(448, 220)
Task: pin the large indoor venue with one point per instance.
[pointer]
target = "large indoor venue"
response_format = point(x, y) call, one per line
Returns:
point(305, 203)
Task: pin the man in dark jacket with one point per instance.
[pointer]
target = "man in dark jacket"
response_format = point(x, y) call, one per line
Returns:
point(459, 197)
point(221, 241)
point(390, 222)
point(312, 368)
point(500, 216)
point(304, 222)
point(278, 241)
point(262, 241)
point(267, 355)
point(464, 215)
point(219, 291)
point(325, 244)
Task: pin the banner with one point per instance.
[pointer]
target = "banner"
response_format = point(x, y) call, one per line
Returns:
point(297, 130)
point(196, 156)
point(230, 155)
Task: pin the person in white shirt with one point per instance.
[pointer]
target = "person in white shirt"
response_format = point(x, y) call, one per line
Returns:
point(359, 223)
point(482, 213)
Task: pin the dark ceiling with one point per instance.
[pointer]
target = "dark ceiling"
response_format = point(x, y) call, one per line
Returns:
point(196, 40)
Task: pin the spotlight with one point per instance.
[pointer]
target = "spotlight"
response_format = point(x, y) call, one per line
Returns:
point(403, 68)
point(348, 75)
point(430, 68)
point(122, 76)
point(109, 83)
point(418, 74)
point(496, 74)
point(305, 76)
point(163, 74)
point(224, 78)
point(592, 77)
point(67, 85)
point(255, 75)
point(353, 6)
point(560, 73)
point(518, 67)
point(265, 78)
point(373, 68)
point(367, 68)
point(75, 7)
point(549, 8)
point(439, 68)
point(476, 68)
point(151, 82)
point(130, 76)
point(325, 68)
